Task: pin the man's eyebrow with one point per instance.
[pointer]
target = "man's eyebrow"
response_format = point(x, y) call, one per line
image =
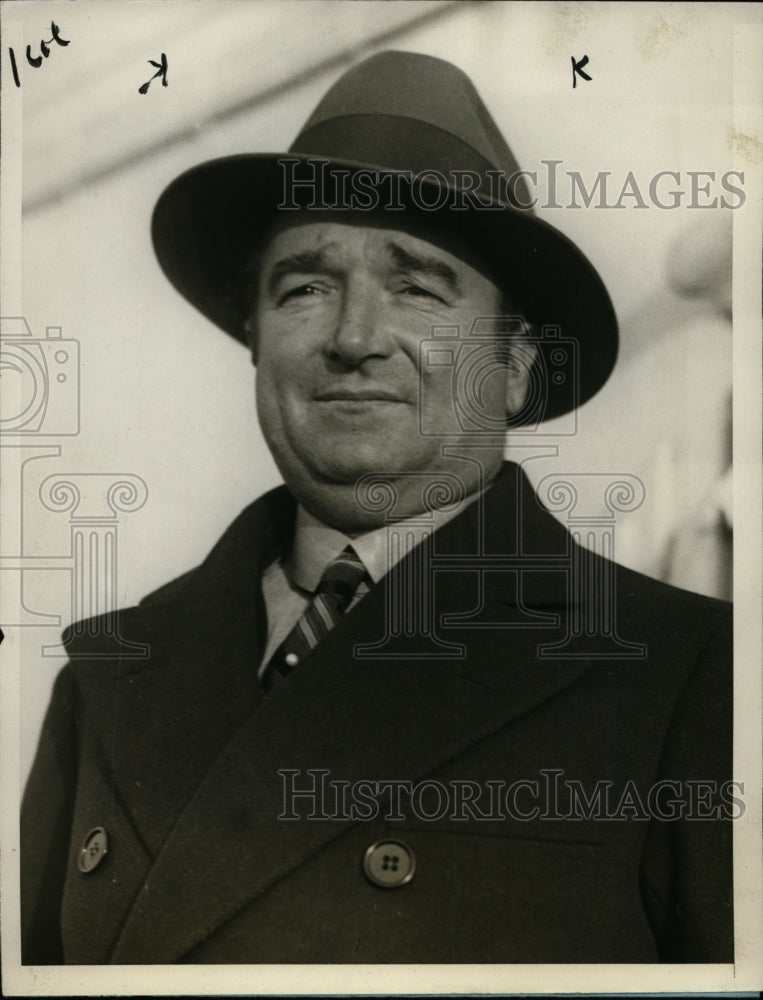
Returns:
point(308, 261)
point(303, 262)
point(434, 266)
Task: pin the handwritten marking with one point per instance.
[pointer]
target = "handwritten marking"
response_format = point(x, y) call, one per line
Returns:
point(577, 70)
point(161, 70)
point(36, 61)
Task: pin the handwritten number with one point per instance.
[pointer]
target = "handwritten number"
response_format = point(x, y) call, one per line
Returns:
point(36, 61)
point(14, 68)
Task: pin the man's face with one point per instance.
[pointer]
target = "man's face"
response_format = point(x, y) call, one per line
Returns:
point(341, 312)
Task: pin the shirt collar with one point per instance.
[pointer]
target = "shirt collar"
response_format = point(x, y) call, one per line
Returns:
point(316, 544)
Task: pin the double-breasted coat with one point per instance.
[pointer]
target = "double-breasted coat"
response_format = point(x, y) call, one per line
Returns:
point(180, 759)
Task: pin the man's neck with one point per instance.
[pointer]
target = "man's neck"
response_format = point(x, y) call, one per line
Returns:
point(316, 543)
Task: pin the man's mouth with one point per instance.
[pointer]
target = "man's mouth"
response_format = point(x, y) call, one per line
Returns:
point(365, 395)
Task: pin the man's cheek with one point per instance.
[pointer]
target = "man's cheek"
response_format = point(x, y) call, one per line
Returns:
point(437, 409)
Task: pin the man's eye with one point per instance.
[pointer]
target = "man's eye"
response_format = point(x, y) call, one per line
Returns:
point(301, 291)
point(417, 291)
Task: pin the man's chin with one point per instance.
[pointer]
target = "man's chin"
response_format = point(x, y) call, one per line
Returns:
point(345, 466)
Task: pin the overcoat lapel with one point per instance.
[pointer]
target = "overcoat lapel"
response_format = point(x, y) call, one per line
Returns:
point(372, 719)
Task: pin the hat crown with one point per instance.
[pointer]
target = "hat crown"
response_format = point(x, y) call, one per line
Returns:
point(423, 90)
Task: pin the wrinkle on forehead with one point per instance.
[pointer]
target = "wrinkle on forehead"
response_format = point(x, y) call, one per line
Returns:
point(328, 225)
point(328, 255)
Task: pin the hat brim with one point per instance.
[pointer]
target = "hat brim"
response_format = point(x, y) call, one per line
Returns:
point(208, 221)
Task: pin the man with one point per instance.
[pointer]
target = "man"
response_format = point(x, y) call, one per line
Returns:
point(402, 622)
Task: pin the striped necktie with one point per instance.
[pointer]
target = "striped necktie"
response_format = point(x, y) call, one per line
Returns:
point(335, 592)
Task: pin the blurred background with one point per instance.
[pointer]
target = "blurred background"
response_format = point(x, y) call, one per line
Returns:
point(166, 397)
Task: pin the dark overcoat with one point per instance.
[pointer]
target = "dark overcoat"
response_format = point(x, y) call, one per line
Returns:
point(180, 758)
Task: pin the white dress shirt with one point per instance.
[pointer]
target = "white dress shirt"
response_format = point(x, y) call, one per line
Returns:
point(288, 583)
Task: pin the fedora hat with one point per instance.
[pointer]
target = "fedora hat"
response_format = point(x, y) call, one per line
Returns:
point(415, 132)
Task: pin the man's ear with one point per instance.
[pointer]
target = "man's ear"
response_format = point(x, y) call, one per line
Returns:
point(522, 355)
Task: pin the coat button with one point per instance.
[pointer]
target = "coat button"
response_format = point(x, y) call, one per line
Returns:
point(389, 863)
point(94, 849)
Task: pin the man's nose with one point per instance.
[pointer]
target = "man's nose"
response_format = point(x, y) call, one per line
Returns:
point(360, 331)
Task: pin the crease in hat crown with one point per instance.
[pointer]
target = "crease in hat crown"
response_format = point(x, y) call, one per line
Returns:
point(393, 113)
point(421, 88)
